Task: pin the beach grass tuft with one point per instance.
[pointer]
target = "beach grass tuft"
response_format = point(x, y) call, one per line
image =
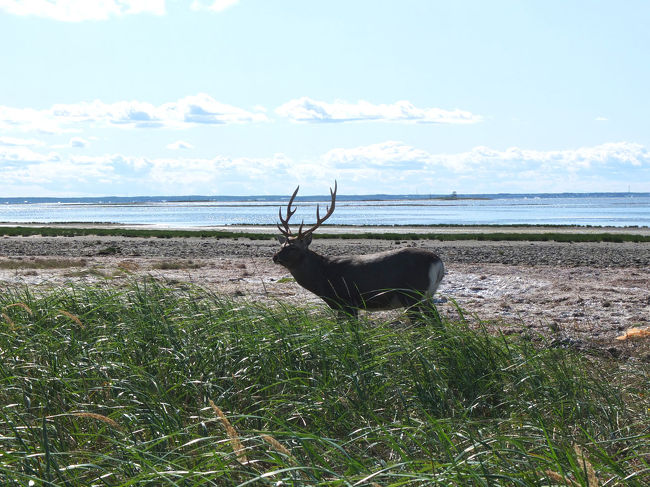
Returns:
point(165, 385)
point(501, 233)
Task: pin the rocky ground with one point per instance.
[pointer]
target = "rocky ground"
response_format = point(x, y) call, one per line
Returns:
point(580, 295)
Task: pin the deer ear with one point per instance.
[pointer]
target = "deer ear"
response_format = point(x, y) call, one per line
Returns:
point(282, 239)
point(307, 240)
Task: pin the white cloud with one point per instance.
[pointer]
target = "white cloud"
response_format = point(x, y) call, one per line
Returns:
point(26, 167)
point(601, 119)
point(75, 143)
point(204, 109)
point(29, 119)
point(389, 167)
point(213, 5)
point(81, 10)
point(190, 110)
point(56, 173)
point(402, 168)
point(180, 144)
point(307, 110)
point(485, 159)
point(380, 155)
point(16, 141)
point(622, 153)
point(79, 142)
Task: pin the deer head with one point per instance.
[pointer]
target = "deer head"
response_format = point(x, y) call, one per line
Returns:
point(294, 246)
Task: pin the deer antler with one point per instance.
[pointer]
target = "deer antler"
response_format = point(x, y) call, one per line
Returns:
point(319, 220)
point(286, 231)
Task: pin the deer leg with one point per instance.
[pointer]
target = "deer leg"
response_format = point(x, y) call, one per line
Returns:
point(424, 312)
point(346, 312)
point(416, 314)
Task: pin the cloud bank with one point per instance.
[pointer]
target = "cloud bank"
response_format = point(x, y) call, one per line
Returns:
point(605, 167)
point(203, 109)
point(388, 167)
point(397, 153)
point(307, 110)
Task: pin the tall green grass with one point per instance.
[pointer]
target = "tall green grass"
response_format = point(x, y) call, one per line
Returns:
point(500, 235)
point(154, 385)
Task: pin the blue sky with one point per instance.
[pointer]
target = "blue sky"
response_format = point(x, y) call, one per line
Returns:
point(174, 97)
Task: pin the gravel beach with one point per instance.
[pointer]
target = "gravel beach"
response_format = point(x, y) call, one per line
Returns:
point(580, 295)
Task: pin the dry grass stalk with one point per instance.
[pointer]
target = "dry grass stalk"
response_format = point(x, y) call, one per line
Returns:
point(556, 477)
point(128, 265)
point(72, 317)
point(592, 480)
point(280, 448)
point(635, 333)
point(9, 321)
point(99, 417)
point(20, 305)
point(236, 445)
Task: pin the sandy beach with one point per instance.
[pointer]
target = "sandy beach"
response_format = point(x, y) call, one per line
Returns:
point(580, 295)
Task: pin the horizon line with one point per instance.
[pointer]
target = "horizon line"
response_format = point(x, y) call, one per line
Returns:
point(453, 195)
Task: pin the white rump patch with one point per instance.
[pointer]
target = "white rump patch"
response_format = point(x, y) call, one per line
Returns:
point(436, 273)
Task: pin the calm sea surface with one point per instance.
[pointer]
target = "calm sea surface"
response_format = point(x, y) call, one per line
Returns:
point(597, 210)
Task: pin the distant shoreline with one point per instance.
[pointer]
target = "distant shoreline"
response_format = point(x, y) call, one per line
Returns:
point(343, 227)
point(324, 197)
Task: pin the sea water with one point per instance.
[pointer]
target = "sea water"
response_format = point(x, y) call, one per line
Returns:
point(612, 209)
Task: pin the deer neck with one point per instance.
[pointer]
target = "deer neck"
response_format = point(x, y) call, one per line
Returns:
point(309, 272)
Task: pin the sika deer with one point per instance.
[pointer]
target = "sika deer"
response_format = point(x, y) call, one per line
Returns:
point(394, 279)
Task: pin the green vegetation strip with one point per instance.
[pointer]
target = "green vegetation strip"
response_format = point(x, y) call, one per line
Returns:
point(153, 385)
point(396, 235)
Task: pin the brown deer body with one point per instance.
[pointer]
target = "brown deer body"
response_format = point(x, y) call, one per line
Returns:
point(394, 279)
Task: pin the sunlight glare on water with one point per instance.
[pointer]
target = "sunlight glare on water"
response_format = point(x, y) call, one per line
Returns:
point(617, 211)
